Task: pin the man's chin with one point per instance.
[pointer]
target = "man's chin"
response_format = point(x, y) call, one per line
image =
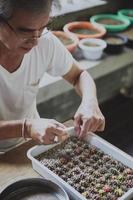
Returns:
point(25, 49)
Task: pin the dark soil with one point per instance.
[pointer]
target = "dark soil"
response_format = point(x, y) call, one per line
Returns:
point(84, 31)
point(109, 21)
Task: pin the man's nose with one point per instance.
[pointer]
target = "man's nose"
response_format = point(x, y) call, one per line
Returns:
point(34, 41)
point(36, 34)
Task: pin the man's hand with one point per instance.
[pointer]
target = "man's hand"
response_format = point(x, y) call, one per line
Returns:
point(45, 131)
point(88, 118)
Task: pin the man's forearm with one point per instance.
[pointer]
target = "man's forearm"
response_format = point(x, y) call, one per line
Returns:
point(10, 129)
point(85, 87)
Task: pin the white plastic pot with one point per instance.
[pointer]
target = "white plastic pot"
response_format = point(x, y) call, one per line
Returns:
point(94, 49)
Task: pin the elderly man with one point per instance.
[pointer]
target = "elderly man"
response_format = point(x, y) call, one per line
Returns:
point(27, 51)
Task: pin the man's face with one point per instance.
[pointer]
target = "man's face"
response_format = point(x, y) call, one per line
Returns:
point(21, 32)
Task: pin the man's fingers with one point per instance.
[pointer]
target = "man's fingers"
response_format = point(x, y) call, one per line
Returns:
point(101, 127)
point(58, 124)
point(93, 124)
point(77, 124)
point(84, 128)
point(58, 133)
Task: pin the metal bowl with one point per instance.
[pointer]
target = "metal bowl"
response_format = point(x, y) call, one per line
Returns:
point(34, 188)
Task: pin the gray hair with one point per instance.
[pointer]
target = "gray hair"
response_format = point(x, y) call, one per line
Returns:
point(7, 7)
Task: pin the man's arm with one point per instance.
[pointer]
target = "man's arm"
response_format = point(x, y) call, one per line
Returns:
point(10, 129)
point(88, 116)
point(82, 81)
point(41, 130)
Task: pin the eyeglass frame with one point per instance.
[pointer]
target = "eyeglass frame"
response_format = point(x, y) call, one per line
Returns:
point(17, 33)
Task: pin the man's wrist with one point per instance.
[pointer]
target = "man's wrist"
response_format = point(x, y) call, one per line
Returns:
point(27, 128)
point(89, 100)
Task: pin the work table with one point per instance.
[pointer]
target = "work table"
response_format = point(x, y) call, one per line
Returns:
point(14, 165)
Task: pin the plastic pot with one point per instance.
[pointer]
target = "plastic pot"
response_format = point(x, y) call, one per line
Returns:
point(70, 41)
point(127, 13)
point(129, 34)
point(92, 48)
point(113, 23)
point(84, 29)
point(115, 43)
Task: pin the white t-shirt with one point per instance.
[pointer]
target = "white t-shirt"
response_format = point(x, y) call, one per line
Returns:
point(19, 89)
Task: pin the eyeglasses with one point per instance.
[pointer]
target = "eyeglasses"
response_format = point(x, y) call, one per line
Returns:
point(25, 34)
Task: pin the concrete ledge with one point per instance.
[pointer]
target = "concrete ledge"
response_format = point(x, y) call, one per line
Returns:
point(106, 67)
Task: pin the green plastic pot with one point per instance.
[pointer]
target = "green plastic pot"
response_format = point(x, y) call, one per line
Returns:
point(111, 28)
point(125, 13)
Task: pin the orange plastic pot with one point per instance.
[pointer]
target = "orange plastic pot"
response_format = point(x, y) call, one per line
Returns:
point(70, 41)
point(85, 29)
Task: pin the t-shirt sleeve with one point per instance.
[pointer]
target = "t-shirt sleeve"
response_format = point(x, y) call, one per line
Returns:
point(59, 59)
